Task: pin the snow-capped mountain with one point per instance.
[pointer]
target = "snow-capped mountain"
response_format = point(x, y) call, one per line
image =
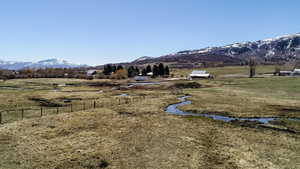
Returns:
point(274, 50)
point(143, 58)
point(49, 63)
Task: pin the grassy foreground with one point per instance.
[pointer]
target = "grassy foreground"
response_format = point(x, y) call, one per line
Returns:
point(140, 134)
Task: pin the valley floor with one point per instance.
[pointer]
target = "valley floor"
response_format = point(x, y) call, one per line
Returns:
point(140, 134)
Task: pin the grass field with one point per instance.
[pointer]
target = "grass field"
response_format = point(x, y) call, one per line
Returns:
point(138, 133)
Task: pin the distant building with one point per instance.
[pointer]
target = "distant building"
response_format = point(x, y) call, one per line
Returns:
point(200, 74)
point(285, 73)
point(150, 74)
point(91, 72)
point(296, 72)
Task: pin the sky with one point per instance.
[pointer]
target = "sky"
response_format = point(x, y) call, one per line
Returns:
point(97, 32)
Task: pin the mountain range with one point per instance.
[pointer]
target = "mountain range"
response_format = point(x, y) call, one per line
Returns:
point(268, 51)
point(49, 63)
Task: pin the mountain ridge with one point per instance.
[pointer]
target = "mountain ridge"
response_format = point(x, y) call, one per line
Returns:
point(268, 51)
point(47, 63)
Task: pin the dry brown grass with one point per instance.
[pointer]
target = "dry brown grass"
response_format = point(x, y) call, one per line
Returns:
point(146, 138)
point(140, 134)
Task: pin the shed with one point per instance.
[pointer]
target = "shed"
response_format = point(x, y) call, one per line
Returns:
point(91, 72)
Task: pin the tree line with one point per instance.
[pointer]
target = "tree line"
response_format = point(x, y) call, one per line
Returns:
point(110, 71)
point(78, 73)
point(132, 71)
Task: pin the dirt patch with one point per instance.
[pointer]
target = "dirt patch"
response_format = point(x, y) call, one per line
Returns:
point(95, 84)
point(126, 113)
point(286, 109)
point(246, 123)
point(69, 99)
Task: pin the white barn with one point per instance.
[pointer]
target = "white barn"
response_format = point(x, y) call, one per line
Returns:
point(200, 74)
point(296, 72)
point(91, 72)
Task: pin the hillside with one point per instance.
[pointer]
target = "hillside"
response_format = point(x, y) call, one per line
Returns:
point(268, 51)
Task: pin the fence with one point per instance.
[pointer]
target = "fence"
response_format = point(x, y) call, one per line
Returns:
point(7, 116)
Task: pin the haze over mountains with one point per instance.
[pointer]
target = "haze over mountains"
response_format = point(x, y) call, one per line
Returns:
point(273, 50)
point(49, 63)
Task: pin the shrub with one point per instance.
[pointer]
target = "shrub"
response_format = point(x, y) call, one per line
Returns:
point(120, 74)
point(187, 85)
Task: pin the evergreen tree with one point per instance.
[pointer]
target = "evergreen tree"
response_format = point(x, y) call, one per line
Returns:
point(161, 69)
point(137, 71)
point(148, 69)
point(167, 70)
point(144, 72)
point(113, 68)
point(120, 67)
point(107, 69)
point(131, 71)
point(155, 71)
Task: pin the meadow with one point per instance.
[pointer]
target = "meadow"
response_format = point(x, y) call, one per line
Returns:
point(134, 131)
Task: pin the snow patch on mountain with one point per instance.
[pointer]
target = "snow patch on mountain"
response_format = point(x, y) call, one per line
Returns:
point(49, 63)
point(143, 58)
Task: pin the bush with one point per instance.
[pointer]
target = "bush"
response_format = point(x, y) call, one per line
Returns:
point(187, 85)
point(120, 74)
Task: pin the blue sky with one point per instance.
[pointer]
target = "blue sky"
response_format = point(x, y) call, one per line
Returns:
point(108, 31)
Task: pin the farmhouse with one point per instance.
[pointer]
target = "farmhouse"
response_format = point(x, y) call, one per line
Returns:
point(296, 72)
point(285, 73)
point(91, 72)
point(200, 74)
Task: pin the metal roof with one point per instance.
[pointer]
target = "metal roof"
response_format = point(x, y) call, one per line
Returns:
point(199, 72)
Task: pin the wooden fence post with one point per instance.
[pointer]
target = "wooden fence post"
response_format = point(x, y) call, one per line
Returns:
point(57, 110)
point(1, 117)
point(41, 111)
point(22, 113)
point(71, 107)
point(94, 104)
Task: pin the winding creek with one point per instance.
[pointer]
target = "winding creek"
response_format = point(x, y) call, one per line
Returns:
point(173, 109)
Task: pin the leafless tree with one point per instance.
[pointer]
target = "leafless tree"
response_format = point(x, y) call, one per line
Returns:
point(252, 65)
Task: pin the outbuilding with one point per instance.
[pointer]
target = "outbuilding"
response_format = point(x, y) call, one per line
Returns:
point(296, 72)
point(200, 74)
point(91, 72)
point(285, 73)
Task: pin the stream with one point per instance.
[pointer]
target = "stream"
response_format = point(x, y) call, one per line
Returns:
point(173, 109)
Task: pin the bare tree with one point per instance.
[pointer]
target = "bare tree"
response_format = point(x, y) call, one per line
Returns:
point(277, 70)
point(252, 65)
point(297, 64)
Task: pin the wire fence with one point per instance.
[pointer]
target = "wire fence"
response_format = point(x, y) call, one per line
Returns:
point(11, 115)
